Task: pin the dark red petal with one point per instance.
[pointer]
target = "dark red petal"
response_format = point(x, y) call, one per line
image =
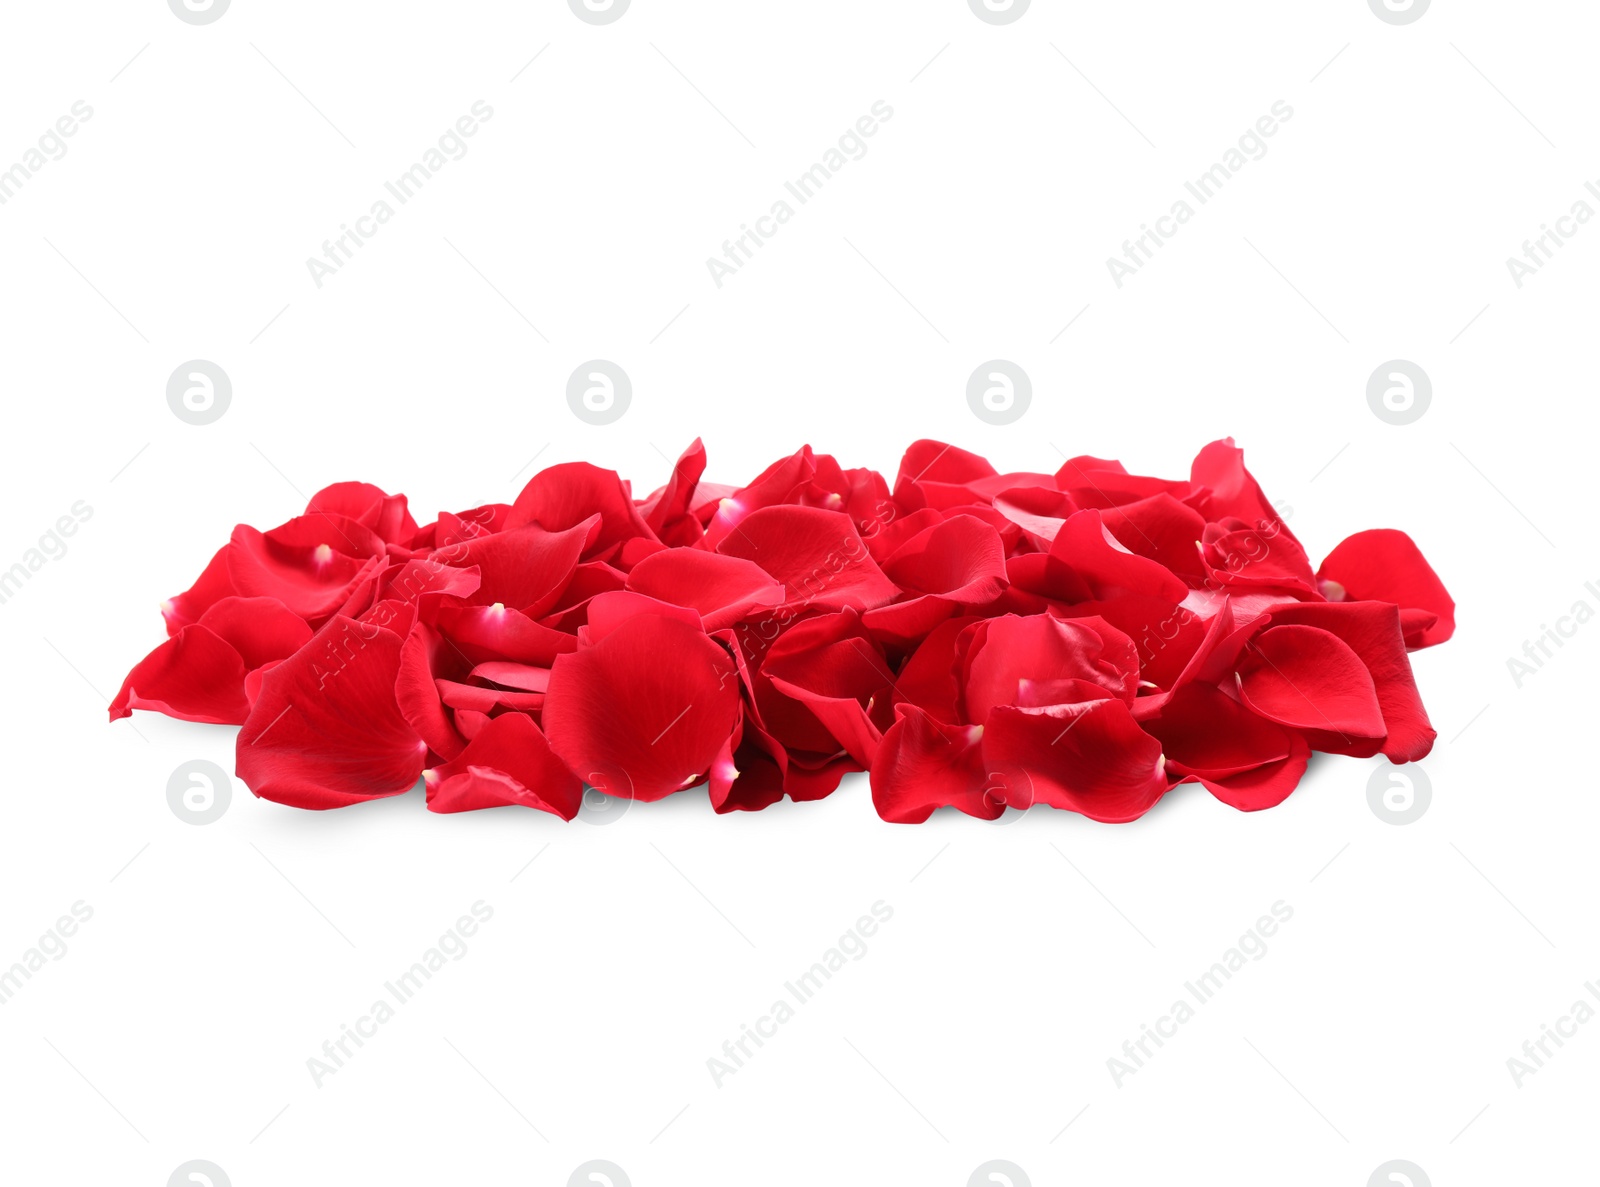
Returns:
point(924, 764)
point(526, 569)
point(479, 699)
point(461, 526)
point(817, 555)
point(1009, 652)
point(960, 558)
point(261, 630)
point(592, 579)
point(1038, 511)
point(1163, 530)
point(608, 611)
point(213, 584)
point(1206, 730)
point(311, 564)
point(326, 731)
point(831, 666)
point(1244, 760)
point(934, 461)
point(1091, 758)
point(497, 632)
point(527, 677)
point(1087, 564)
point(1165, 636)
point(1226, 488)
point(931, 678)
point(409, 581)
point(1385, 565)
point(668, 512)
point(1098, 483)
point(509, 762)
point(1258, 788)
point(1372, 630)
point(724, 589)
point(368, 505)
point(646, 709)
point(1305, 677)
point(1238, 555)
point(783, 482)
point(424, 653)
point(565, 496)
point(194, 676)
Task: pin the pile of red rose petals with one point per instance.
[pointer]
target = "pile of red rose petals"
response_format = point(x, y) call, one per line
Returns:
point(1086, 639)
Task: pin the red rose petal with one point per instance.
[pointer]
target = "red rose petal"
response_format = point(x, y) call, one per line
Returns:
point(1373, 631)
point(924, 764)
point(1305, 677)
point(723, 589)
point(1090, 758)
point(509, 762)
point(646, 709)
point(1384, 565)
point(326, 731)
point(196, 675)
point(565, 496)
point(818, 556)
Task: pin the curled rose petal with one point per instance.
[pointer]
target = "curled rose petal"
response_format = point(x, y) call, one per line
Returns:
point(1091, 757)
point(1307, 678)
point(326, 731)
point(1384, 565)
point(818, 556)
point(508, 762)
point(1244, 760)
point(722, 589)
point(645, 711)
point(925, 764)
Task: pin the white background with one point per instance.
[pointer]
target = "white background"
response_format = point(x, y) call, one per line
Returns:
point(1019, 958)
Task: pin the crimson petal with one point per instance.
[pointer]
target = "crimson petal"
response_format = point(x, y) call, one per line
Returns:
point(1090, 758)
point(644, 711)
point(509, 762)
point(326, 731)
